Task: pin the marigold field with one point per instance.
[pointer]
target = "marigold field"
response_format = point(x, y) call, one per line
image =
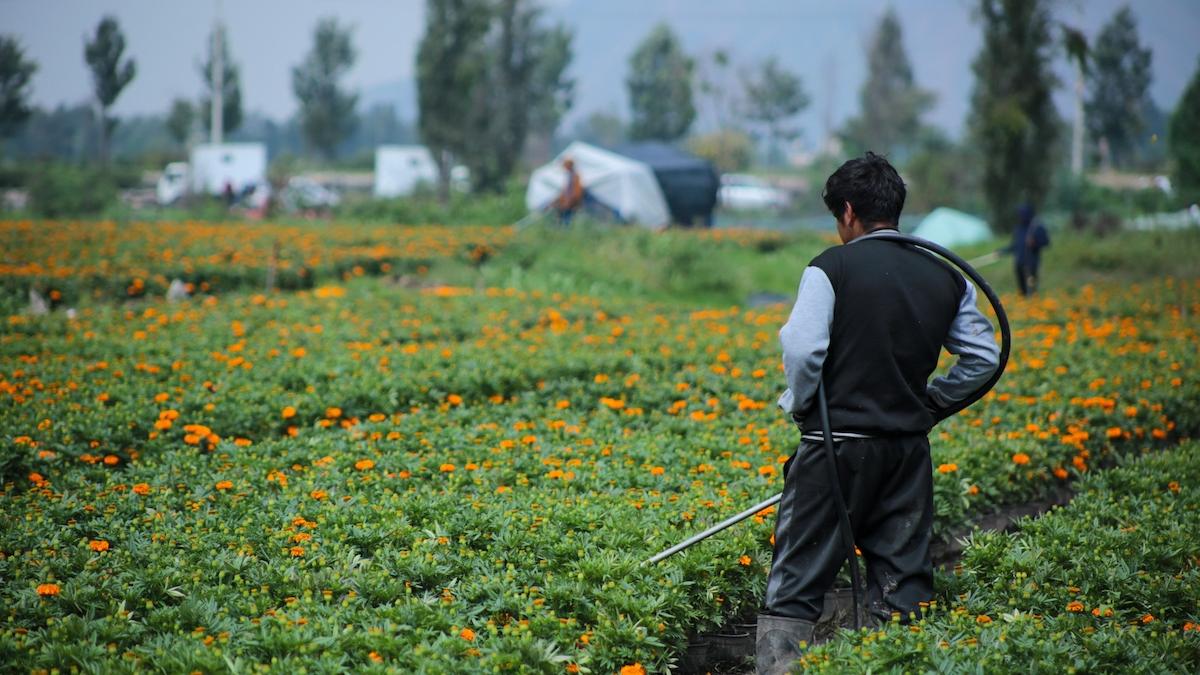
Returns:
point(370, 468)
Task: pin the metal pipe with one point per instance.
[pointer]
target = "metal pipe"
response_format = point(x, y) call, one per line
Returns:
point(734, 520)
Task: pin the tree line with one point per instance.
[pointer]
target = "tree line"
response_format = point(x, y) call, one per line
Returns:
point(493, 79)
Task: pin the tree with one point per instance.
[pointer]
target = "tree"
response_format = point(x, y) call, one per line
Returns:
point(1184, 140)
point(729, 149)
point(180, 119)
point(523, 83)
point(890, 102)
point(660, 88)
point(231, 87)
point(600, 128)
point(774, 96)
point(1013, 122)
point(326, 108)
point(506, 80)
point(15, 74)
point(110, 74)
point(450, 62)
point(1120, 79)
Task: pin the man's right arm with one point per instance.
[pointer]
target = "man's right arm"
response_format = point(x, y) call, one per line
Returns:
point(973, 340)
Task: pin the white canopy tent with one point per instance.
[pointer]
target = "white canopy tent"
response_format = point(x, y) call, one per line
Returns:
point(951, 228)
point(626, 186)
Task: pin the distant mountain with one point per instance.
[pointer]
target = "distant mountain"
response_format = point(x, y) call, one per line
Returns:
point(400, 94)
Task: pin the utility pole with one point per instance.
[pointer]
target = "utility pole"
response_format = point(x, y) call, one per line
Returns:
point(1077, 130)
point(218, 79)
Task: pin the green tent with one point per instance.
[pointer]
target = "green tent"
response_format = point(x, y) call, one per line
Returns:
point(951, 228)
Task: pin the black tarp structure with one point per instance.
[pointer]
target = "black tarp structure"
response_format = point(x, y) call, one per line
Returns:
point(688, 183)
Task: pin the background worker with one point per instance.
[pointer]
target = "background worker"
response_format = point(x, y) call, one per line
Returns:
point(571, 197)
point(870, 319)
point(1029, 238)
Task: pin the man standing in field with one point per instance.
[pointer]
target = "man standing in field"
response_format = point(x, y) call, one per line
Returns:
point(870, 319)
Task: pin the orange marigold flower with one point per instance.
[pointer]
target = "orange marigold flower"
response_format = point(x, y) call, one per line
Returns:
point(947, 468)
point(633, 669)
point(98, 545)
point(572, 668)
point(46, 590)
point(364, 464)
point(467, 634)
point(744, 560)
point(1074, 606)
point(297, 552)
point(454, 399)
point(1113, 432)
point(766, 470)
point(318, 494)
point(446, 468)
point(973, 490)
point(141, 489)
point(288, 412)
point(1020, 458)
point(224, 485)
point(1147, 618)
point(657, 470)
point(983, 619)
point(374, 656)
point(111, 460)
point(333, 412)
point(1173, 486)
point(563, 404)
point(1060, 473)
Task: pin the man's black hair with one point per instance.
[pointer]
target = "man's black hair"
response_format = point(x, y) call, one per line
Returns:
point(871, 185)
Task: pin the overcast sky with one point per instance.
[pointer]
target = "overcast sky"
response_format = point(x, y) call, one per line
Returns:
point(823, 41)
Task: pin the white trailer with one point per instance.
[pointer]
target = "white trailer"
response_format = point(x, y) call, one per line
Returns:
point(400, 169)
point(238, 165)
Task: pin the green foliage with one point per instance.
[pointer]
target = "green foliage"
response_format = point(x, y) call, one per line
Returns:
point(231, 87)
point(774, 95)
point(730, 150)
point(110, 75)
point(1120, 75)
point(1108, 583)
point(503, 208)
point(524, 86)
point(1185, 140)
point(1013, 122)
point(15, 74)
point(660, 88)
point(941, 172)
point(890, 102)
point(179, 120)
point(600, 128)
point(64, 190)
point(326, 107)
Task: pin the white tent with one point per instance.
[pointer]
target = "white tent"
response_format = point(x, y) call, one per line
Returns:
point(399, 169)
point(626, 186)
point(951, 228)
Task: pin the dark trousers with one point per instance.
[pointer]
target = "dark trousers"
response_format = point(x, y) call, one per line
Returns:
point(888, 487)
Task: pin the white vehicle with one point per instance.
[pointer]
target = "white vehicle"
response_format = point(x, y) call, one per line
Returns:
point(743, 192)
point(303, 193)
point(401, 169)
point(214, 169)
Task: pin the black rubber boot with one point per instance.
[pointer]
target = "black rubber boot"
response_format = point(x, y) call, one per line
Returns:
point(778, 643)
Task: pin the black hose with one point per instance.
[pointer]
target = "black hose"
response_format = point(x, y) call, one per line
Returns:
point(823, 406)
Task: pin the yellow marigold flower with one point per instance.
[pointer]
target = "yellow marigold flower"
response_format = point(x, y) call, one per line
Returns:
point(46, 590)
point(98, 545)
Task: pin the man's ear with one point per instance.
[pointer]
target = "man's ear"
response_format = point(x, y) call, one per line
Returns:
point(848, 213)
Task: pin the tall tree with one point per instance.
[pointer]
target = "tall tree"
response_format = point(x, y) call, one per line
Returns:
point(890, 102)
point(450, 62)
point(1184, 140)
point(179, 120)
point(660, 88)
point(326, 107)
point(1120, 79)
point(1013, 122)
point(15, 74)
point(111, 73)
point(524, 83)
point(231, 87)
point(773, 96)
